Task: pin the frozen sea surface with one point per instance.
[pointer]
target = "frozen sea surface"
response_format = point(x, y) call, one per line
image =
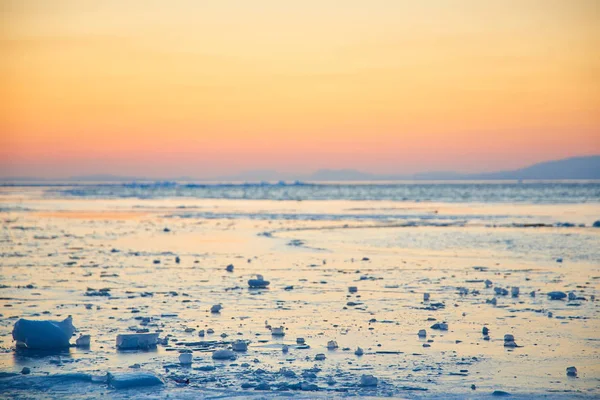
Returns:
point(59, 248)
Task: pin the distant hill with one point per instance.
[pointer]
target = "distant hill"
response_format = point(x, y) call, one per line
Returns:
point(569, 168)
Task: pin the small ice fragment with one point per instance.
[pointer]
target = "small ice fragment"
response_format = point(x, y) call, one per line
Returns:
point(240, 345)
point(229, 268)
point(425, 296)
point(43, 334)
point(300, 340)
point(532, 293)
point(278, 331)
point(368, 380)
point(259, 282)
point(285, 348)
point(136, 340)
point(557, 295)
point(493, 301)
point(185, 358)
point(223, 354)
point(485, 330)
point(27, 370)
point(352, 289)
point(559, 260)
point(550, 314)
point(177, 260)
point(488, 283)
point(596, 224)
point(509, 340)
point(572, 296)
point(332, 345)
point(83, 341)
point(216, 309)
point(320, 357)
point(359, 351)
point(500, 291)
point(514, 291)
point(571, 371)
point(133, 379)
point(201, 333)
point(422, 333)
point(442, 326)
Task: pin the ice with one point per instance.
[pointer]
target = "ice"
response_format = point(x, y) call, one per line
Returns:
point(359, 351)
point(422, 333)
point(368, 381)
point(320, 357)
point(223, 354)
point(43, 334)
point(259, 282)
point(278, 331)
point(216, 309)
point(136, 341)
point(133, 379)
point(185, 358)
point(557, 295)
point(83, 341)
point(571, 371)
point(240, 345)
point(332, 345)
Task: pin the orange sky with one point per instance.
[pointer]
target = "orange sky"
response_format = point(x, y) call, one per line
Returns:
point(183, 87)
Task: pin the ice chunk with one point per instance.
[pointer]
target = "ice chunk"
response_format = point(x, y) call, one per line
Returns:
point(359, 351)
point(229, 268)
point(83, 341)
point(133, 379)
point(352, 289)
point(320, 357)
point(571, 371)
point(514, 291)
point(240, 345)
point(223, 354)
point(136, 341)
point(43, 334)
point(278, 331)
point(368, 380)
point(216, 309)
point(422, 333)
point(259, 282)
point(442, 326)
point(332, 345)
point(185, 358)
point(557, 295)
point(426, 296)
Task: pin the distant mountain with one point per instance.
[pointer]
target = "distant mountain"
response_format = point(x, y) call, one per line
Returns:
point(569, 168)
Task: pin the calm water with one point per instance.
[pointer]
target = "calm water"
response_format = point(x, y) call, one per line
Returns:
point(455, 192)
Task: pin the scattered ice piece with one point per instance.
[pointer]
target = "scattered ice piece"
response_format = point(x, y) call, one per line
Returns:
point(368, 381)
point(216, 309)
point(177, 260)
point(485, 330)
point(425, 296)
point(359, 351)
point(532, 293)
point(509, 341)
point(185, 358)
point(240, 345)
point(557, 295)
point(210, 331)
point(300, 340)
point(596, 224)
point(259, 282)
point(43, 334)
point(353, 289)
point(488, 283)
point(500, 291)
point(27, 370)
point(278, 331)
point(493, 301)
point(223, 354)
point(559, 260)
point(285, 348)
point(163, 341)
point(514, 291)
point(229, 268)
point(201, 333)
point(136, 341)
point(332, 345)
point(83, 341)
point(320, 357)
point(133, 379)
point(571, 371)
point(442, 326)
point(550, 315)
point(572, 296)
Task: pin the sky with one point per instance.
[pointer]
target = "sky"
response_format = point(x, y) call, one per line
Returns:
point(210, 88)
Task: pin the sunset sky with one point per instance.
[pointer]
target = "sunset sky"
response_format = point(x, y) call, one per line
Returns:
point(208, 88)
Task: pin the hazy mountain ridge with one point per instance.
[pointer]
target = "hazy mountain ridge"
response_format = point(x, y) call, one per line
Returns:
point(587, 167)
